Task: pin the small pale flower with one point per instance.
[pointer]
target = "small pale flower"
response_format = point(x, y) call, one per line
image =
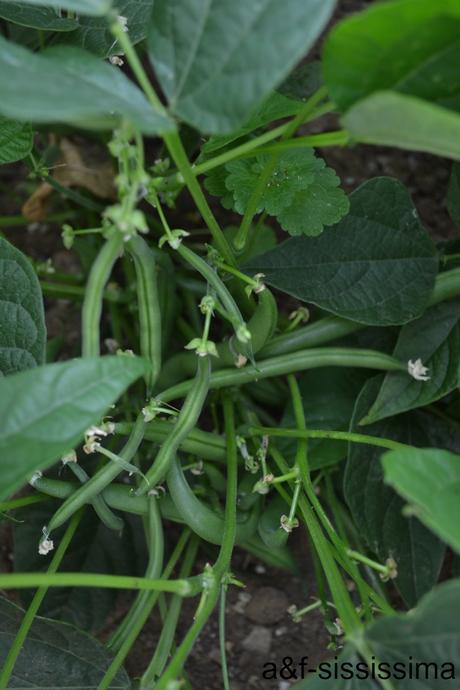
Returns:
point(96, 432)
point(116, 60)
point(45, 546)
point(71, 456)
point(240, 361)
point(417, 370)
point(287, 524)
point(36, 475)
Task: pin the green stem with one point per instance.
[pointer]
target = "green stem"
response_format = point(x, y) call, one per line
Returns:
point(27, 580)
point(223, 651)
point(180, 158)
point(326, 433)
point(339, 138)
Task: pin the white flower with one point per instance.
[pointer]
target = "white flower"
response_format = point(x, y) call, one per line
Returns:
point(417, 370)
point(69, 457)
point(123, 22)
point(95, 432)
point(45, 546)
point(36, 475)
point(116, 60)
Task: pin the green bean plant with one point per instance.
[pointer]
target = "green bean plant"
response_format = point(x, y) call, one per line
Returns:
point(265, 359)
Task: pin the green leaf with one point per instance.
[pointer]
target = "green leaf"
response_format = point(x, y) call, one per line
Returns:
point(394, 119)
point(66, 84)
point(94, 35)
point(328, 402)
point(301, 193)
point(396, 40)
point(429, 634)
point(22, 320)
point(303, 81)
point(55, 656)
point(376, 266)
point(429, 480)
point(377, 510)
point(419, 649)
point(95, 7)
point(453, 194)
point(435, 339)
point(16, 140)
point(42, 18)
point(93, 549)
point(46, 410)
point(217, 61)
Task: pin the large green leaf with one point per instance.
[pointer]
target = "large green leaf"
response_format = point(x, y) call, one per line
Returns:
point(377, 510)
point(16, 139)
point(42, 18)
point(55, 656)
point(94, 35)
point(216, 60)
point(93, 549)
point(419, 650)
point(22, 320)
point(95, 7)
point(435, 339)
point(395, 119)
point(386, 46)
point(46, 410)
point(376, 266)
point(67, 84)
point(430, 480)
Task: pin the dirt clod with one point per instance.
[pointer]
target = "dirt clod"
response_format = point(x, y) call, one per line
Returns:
point(267, 606)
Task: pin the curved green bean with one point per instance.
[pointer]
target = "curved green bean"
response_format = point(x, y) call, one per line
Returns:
point(149, 308)
point(199, 517)
point(188, 417)
point(100, 506)
point(100, 480)
point(298, 361)
point(94, 294)
point(155, 541)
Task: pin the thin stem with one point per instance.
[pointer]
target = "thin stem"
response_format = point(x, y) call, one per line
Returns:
point(339, 138)
point(178, 154)
point(35, 604)
point(326, 433)
point(223, 651)
point(27, 580)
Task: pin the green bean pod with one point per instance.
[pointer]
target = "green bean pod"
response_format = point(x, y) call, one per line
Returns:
point(297, 361)
point(94, 294)
point(199, 517)
point(100, 506)
point(186, 421)
point(204, 444)
point(149, 307)
point(155, 542)
point(100, 480)
point(247, 498)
